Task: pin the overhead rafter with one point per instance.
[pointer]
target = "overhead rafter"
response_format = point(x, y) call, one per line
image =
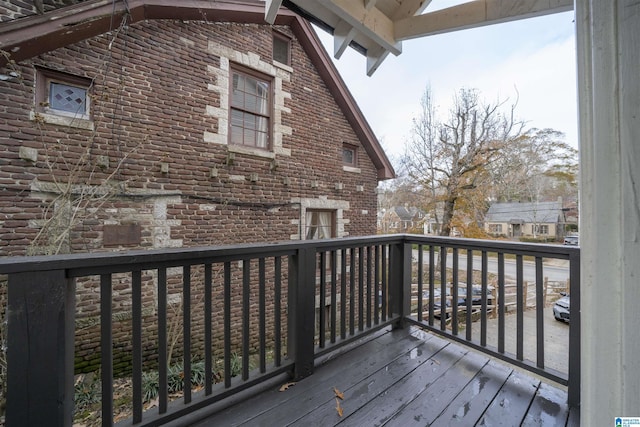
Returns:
point(271, 10)
point(372, 23)
point(343, 35)
point(378, 27)
point(476, 14)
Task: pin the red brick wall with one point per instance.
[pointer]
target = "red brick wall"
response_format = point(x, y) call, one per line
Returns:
point(149, 100)
point(158, 115)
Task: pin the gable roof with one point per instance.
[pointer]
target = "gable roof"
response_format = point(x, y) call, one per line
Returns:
point(406, 213)
point(27, 37)
point(525, 213)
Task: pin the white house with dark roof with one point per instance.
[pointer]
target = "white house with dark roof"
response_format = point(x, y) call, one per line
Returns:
point(536, 219)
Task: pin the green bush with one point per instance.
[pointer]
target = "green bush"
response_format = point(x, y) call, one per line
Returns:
point(87, 391)
point(537, 239)
point(175, 379)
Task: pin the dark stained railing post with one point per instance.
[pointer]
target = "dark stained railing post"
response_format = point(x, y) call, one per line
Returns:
point(302, 271)
point(40, 349)
point(400, 281)
point(574, 330)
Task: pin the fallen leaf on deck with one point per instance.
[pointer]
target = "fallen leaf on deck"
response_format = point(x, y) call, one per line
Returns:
point(339, 408)
point(286, 386)
point(338, 393)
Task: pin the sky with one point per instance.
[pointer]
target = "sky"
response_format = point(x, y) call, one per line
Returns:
point(530, 61)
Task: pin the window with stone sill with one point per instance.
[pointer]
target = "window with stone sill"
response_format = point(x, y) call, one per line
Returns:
point(281, 48)
point(349, 155)
point(250, 109)
point(62, 94)
point(320, 224)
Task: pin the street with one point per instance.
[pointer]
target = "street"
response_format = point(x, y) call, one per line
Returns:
point(554, 270)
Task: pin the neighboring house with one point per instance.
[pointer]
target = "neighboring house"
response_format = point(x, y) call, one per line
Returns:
point(167, 124)
point(539, 220)
point(401, 219)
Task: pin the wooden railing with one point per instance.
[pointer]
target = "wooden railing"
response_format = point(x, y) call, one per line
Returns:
point(246, 315)
point(455, 288)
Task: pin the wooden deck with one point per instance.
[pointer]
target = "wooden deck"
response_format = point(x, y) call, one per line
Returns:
point(407, 377)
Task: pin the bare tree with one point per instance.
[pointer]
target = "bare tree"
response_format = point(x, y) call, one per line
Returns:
point(422, 149)
point(451, 157)
point(538, 164)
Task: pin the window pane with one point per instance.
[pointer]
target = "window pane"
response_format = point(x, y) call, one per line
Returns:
point(319, 224)
point(348, 156)
point(262, 90)
point(249, 137)
point(262, 140)
point(281, 50)
point(236, 135)
point(262, 124)
point(250, 111)
point(67, 98)
point(249, 121)
point(236, 118)
point(238, 82)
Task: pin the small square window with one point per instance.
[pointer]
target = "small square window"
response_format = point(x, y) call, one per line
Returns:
point(349, 155)
point(281, 49)
point(71, 99)
point(62, 94)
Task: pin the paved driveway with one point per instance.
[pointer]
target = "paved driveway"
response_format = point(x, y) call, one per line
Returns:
point(556, 337)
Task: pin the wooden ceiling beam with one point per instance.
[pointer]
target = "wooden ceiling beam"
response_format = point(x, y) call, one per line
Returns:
point(475, 14)
point(373, 24)
point(343, 35)
point(409, 8)
point(271, 10)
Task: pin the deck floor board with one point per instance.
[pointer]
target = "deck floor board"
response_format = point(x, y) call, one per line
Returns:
point(378, 410)
point(407, 377)
point(435, 399)
point(469, 405)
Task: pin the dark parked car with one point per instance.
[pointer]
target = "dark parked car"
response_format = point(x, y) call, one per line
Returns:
point(476, 296)
point(572, 240)
point(561, 308)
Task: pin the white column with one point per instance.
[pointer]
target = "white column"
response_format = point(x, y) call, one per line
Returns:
point(608, 40)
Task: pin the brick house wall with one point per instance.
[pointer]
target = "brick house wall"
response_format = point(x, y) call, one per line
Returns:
point(154, 156)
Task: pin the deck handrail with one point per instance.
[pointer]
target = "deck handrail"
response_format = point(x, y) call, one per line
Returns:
point(332, 293)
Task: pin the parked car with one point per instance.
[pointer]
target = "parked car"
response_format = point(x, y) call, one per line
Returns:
point(476, 296)
point(572, 240)
point(561, 308)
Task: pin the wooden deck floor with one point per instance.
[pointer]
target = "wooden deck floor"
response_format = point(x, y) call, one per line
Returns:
point(407, 377)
